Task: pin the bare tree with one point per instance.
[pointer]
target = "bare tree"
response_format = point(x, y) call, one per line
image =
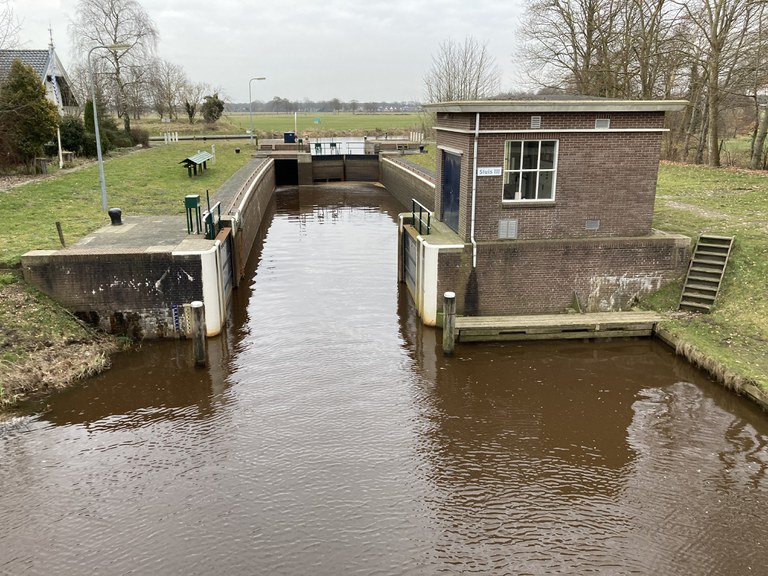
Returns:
point(461, 71)
point(759, 87)
point(723, 28)
point(9, 26)
point(192, 97)
point(111, 23)
point(168, 82)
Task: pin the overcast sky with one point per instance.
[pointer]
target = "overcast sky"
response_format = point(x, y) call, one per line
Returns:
point(361, 50)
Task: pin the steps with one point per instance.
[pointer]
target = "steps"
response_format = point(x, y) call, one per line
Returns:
point(705, 273)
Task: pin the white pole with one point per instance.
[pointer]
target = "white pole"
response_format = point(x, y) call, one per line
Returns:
point(250, 103)
point(61, 155)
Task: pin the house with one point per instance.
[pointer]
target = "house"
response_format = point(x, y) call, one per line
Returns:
point(52, 73)
point(543, 206)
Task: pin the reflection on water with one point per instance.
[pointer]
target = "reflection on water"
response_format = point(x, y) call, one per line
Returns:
point(329, 435)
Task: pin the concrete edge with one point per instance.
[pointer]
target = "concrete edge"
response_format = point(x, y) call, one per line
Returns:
point(716, 370)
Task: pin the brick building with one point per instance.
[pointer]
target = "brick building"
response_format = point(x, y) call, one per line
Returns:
point(543, 206)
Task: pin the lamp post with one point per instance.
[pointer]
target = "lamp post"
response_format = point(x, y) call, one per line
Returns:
point(250, 102)
point(96, 118)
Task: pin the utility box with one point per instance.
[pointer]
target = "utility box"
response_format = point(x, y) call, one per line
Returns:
point(194, 219)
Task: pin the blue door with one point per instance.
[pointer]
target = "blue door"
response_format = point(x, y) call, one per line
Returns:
point(450, 192)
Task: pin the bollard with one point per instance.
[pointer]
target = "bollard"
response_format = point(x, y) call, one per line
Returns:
point(198, 332)
point(449, 321)
point(115, 216)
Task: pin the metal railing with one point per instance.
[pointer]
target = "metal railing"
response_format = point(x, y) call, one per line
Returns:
point(212, 218)
point(421, 210)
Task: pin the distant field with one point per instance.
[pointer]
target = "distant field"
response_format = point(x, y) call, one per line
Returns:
point(311, 124)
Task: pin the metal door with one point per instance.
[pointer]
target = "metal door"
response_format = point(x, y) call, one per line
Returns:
point(449, 212)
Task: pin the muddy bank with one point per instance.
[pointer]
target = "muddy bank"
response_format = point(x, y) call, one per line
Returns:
point(43, 347)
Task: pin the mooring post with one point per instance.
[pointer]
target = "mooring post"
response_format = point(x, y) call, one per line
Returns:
point(198, 332)
point(449, 321)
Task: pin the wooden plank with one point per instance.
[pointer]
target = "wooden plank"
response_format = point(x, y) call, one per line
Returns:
point(555, 326)
point(560, 336)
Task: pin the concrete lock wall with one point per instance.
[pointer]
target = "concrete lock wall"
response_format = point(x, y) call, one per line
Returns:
point(246, 211)
point(556, 276)
point(146, 292)
point(135, 294)
point(405, 183)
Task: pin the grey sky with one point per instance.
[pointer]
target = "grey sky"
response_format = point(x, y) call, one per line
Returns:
point(318, 49)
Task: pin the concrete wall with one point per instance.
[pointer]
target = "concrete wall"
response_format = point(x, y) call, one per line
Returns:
point(145, 291)
point(246, 211)
point(126, 293)
point(406, 183)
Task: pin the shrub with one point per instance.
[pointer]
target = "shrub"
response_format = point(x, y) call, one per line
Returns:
point(140, 136)
point(72, 130)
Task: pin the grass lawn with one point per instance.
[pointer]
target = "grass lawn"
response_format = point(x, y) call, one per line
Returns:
point(274, 125)
point(145, 182)
point(692, 200)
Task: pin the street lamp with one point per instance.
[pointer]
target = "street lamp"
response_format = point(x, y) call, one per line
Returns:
point(96, 118)
point(250, 102)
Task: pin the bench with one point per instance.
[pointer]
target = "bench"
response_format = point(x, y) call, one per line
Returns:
point(192, 162)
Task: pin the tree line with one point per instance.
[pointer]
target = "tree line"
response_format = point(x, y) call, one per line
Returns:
point(118, 41)
point(712, 53)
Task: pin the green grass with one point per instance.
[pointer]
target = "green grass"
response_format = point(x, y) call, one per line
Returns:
point(692, 200)
point(145, 182)
point(274, 125)
point(427, 159)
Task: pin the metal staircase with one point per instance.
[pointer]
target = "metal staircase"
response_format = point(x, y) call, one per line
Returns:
point(705, 273)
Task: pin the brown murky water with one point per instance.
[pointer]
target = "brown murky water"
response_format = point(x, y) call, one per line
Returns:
point(330, 436)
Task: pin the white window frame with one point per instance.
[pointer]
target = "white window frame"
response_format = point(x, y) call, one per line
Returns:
point(538, 170)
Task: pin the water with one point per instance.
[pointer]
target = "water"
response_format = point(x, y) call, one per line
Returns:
point(330, 436)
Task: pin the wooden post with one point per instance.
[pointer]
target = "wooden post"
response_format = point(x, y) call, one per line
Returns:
point(198, 332)
point(449, 322)
point(61, 233)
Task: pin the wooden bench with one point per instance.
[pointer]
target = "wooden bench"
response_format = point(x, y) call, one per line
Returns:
point(192, 162)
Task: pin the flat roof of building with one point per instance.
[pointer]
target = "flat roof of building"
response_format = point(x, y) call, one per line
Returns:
point(560, 104)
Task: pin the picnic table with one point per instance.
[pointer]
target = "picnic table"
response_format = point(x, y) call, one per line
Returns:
point(192, 162)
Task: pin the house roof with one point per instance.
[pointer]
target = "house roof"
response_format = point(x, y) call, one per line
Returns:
point(37, 59)
point(559, 104)
point(44, 63)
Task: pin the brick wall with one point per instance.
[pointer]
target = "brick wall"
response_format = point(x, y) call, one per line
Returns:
point(548, 277)
point(605, 176)
point(406, 185)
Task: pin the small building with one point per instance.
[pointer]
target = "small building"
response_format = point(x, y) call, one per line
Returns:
point(543, 206)
point(51, 72)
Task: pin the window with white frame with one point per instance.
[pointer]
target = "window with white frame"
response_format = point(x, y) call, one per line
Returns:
point(529, 169)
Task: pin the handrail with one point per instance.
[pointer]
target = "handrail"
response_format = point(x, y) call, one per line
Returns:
point(422, 210)
point(211, 225)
